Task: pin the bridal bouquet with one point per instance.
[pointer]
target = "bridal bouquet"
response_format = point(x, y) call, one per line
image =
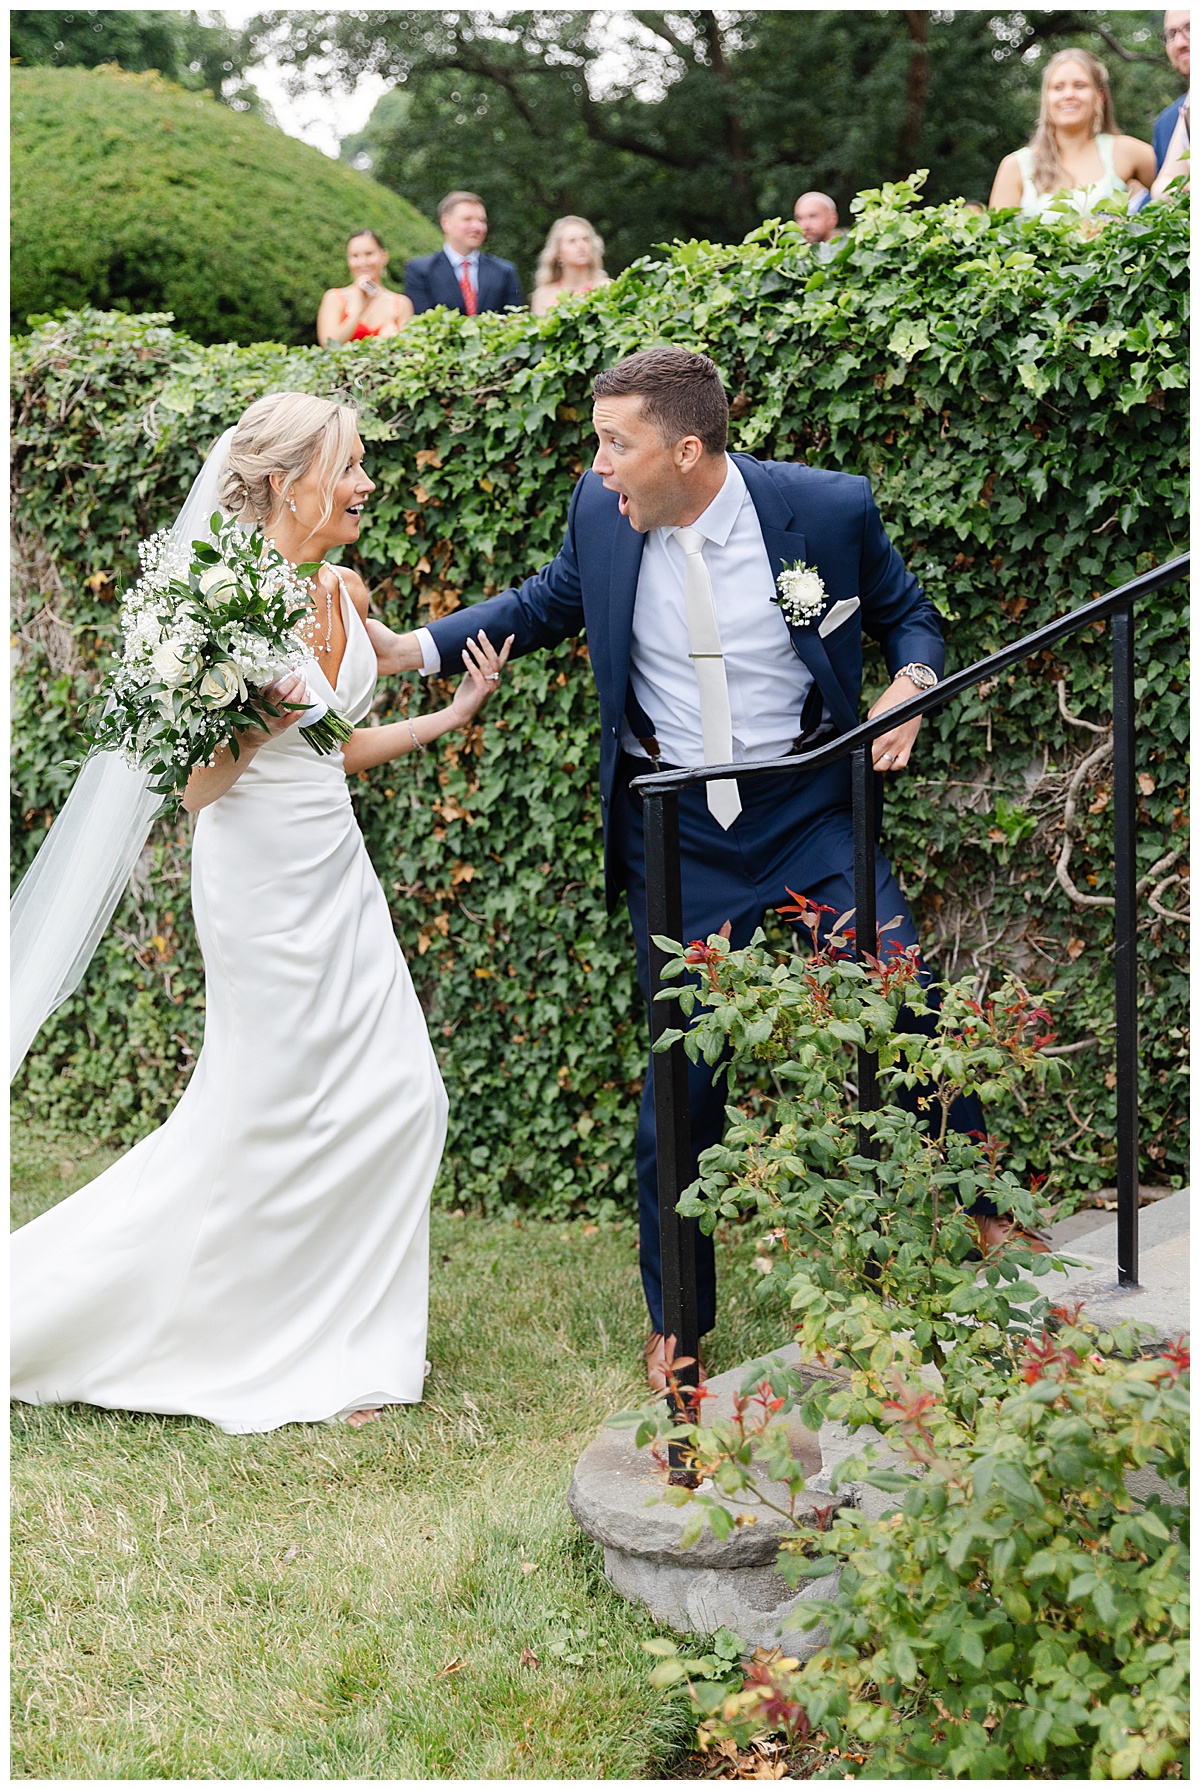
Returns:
point(202, 636)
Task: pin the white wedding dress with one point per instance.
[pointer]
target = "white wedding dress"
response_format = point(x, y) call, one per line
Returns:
point(262, 1258)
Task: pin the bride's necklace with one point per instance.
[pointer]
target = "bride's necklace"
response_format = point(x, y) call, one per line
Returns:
point(319, 646)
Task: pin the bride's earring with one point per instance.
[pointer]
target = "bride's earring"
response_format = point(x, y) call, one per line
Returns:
point(292, 505)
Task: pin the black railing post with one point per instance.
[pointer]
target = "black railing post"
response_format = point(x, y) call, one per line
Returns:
point(866, 924)
point(672, 1119)
point(1125, 946)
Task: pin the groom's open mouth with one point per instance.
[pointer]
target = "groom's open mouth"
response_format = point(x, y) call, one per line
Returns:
point(622, 503)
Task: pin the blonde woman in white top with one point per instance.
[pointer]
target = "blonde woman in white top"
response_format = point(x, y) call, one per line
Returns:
point(571, 262)
point(1076, 150)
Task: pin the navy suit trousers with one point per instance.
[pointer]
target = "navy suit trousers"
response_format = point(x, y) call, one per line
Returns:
point(775, 845)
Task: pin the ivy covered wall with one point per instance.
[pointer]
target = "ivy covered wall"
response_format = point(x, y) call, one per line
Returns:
point(1016, 394)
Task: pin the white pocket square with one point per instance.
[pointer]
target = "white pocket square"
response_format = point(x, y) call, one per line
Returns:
point(833, 618)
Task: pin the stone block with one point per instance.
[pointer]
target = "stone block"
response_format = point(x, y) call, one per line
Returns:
point(614, 1497)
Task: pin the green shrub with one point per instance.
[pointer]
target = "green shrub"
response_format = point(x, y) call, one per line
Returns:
point(1023, 1613)
point(1026, 1615)
point(132, 194)
point(877, 1253)
point(1016, 396)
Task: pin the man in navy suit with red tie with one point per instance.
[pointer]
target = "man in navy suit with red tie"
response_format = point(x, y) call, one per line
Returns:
point(671, 561)
point(460, 276)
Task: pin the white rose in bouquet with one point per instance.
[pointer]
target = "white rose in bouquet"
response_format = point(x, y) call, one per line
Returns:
point(216, 580)
point(174, 662)
point(222, 684)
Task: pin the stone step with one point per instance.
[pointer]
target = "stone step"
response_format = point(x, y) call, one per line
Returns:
point(616, 1488)
point(614, 1497)
point(1161, 1301)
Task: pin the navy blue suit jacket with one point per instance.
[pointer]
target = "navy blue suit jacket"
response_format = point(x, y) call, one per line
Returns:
point(1164, 126)
point(431, 280)
point(827, 519)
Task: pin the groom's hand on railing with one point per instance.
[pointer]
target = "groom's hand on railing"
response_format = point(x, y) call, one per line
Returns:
point(890, 751)
point(393, 652)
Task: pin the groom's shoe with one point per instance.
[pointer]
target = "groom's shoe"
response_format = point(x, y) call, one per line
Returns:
point(655, 1352)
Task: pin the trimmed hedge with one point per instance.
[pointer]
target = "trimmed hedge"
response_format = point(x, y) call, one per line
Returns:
point(1016, 393)
point(131, 193)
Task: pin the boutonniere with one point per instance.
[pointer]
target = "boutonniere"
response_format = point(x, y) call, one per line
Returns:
point(801, 594)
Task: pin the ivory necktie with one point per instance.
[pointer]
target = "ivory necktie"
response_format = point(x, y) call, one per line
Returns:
point(704, 641)
point(468, 291)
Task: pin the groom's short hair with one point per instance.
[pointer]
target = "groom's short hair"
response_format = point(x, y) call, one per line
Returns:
point(681, 393)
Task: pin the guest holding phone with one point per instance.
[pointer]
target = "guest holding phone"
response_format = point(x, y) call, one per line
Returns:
point(366, 307)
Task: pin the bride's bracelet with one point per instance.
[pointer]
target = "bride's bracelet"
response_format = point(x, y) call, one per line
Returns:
point(416, 742)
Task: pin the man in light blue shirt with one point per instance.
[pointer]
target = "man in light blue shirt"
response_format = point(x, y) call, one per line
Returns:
point(460, 276)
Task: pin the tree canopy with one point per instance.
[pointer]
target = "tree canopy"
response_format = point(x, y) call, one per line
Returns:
point(659, 125)
point(130, 193)
point(178, 44)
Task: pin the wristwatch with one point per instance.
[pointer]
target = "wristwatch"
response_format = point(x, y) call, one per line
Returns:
point(923, 676)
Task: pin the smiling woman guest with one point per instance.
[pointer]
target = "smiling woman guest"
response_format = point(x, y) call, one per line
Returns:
point(366, 307)
point(571, 262)
point(1076, 151)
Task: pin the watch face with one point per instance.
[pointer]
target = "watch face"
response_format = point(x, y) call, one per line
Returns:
point(922, 676)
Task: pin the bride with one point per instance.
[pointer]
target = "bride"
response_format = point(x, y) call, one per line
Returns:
point(262, 1258)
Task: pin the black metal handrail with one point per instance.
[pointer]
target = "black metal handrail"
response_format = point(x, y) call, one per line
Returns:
point(664, 916)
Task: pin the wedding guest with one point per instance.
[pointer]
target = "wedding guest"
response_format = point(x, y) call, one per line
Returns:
point(366, 307)
point(1177, 35)
point(460, 276)
point(817, 217)
point(571, 262)
point(1076, 150)
point(1177, 159)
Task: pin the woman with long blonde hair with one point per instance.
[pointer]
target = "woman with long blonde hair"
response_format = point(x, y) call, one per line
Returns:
point(1076, 151)
point(571, 262)
point(262, 1258)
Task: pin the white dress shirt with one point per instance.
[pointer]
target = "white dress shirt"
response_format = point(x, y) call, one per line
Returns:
point(767, 681)
point(457, 261)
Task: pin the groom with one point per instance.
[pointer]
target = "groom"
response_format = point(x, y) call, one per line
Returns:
point(671, 560)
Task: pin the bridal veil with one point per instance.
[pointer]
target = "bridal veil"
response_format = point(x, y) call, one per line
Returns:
point(69, 893)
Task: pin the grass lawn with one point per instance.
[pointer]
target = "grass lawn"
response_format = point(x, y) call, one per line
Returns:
point(409, 1600)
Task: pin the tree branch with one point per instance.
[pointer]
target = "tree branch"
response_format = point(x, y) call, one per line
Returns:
point(734, 139)
point(1129, 55)
point(916, 88)
point(1077, 24)
point(599, 132)
point(657, 23)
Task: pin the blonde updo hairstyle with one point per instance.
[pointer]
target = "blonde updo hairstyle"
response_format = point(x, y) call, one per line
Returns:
point(286, 433)
point(1049, 175)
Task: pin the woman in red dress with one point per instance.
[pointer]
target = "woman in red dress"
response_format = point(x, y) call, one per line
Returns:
point(366, 307)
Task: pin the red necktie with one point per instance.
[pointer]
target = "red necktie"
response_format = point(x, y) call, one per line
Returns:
point(468, 291)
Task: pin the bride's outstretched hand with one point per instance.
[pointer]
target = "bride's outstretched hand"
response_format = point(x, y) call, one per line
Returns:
point(484, 665)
